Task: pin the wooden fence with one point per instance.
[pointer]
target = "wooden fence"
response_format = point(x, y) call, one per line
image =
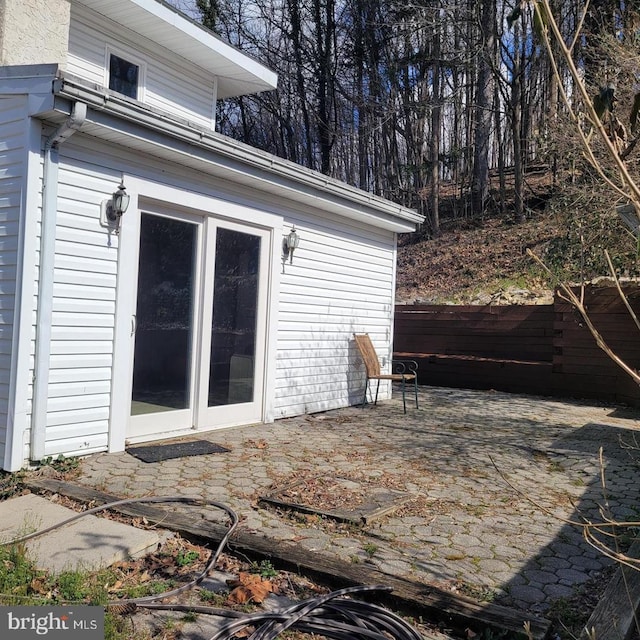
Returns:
point(536, 349)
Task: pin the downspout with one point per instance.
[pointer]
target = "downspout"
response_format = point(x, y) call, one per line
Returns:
point(45, 286)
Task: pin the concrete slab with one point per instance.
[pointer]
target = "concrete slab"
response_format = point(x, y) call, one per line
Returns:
point(88, 543)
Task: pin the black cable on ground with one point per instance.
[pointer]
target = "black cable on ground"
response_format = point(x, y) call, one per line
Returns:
point(331, 615)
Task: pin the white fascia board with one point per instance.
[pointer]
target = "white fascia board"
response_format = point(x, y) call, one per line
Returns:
point(177, 32)
point(247, 163)
point(203, 36)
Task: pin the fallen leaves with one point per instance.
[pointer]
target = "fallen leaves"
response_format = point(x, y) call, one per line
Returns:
point(41, 587)
point(324, 493)
point(249, 587)
point(451, 266)
point(257, 444)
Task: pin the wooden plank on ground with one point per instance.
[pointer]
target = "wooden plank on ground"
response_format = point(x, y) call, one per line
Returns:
point(614, 617)
point(455, 611)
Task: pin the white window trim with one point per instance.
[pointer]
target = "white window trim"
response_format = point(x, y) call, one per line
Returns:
point(129, 56)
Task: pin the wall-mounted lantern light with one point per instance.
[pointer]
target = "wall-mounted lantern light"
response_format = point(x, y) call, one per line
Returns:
point(290, 244)
point(113, 209)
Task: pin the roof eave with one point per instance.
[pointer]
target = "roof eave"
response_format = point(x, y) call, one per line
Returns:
point(242, 73)
point(260, 167)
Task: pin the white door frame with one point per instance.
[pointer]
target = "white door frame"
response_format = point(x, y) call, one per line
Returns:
point(149, 195)
point(149, 425)
point(233, 414)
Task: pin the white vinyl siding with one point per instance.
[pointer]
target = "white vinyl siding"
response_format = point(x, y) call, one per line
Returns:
point(83, 314)
point(340, 283)
point(171, 85)
point(12, 163)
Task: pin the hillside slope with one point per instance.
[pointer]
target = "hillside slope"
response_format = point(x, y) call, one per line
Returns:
point(475, 263)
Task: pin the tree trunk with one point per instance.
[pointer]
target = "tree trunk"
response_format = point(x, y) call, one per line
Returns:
point(436, 126)
point(500, 143)
point(484, 101)
point(296, 41)
point(516, 128)
point(324, 33)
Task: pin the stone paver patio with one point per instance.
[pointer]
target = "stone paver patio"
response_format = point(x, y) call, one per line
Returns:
point(467, 528)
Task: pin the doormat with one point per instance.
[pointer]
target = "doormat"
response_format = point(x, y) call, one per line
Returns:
point(160, 452)
point(337, 498)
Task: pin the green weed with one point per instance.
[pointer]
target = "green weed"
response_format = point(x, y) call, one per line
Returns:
point(68, 467)
point(212, 598)
point(117, 627)
point(73, 586)
point(148, 588)
point(11, 484)
point(185, 558)
point(265, 569)
point(22, 583)
point(17, 574)
point(567, 618)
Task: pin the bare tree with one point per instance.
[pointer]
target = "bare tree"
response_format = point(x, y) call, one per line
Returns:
point(436, 126)
point(401, 98)
point(592, 118)
point(483, 107)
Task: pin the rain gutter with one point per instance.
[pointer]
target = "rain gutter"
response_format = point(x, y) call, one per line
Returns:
point(242, 157)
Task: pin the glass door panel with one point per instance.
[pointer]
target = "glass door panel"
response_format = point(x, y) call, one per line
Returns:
point(164, 323)
point(199, 341)
point(234, 319)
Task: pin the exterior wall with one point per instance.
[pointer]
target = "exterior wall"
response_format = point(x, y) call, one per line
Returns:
point(341, 282)
point(172, 85)
point(33, 31)
point(83, 314)
point(12, 170)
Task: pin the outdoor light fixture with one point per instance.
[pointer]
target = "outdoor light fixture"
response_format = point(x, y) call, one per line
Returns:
point(114, 208)
point(291, 243)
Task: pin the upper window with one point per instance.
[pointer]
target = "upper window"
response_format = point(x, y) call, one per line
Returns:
point(124, 76)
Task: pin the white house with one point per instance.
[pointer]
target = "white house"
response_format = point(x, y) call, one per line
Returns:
point(186, 313)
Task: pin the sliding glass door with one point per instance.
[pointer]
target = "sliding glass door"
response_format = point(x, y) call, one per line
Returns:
point(199, 328)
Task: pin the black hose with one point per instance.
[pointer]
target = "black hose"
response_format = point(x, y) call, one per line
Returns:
point(331, 615)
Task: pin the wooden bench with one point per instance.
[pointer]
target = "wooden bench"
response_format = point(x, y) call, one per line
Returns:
point(479, 372)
